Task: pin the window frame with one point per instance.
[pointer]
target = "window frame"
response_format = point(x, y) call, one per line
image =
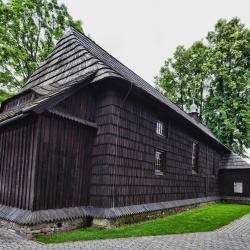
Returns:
point(195, 157)
point(160, 163)
point(161, 128)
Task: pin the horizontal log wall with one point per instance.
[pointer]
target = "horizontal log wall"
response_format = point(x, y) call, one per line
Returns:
point(123, 169)
point(63, 164)
point(17, 160)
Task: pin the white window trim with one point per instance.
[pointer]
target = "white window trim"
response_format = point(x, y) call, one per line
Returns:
point(158, 163)
point(160, 127)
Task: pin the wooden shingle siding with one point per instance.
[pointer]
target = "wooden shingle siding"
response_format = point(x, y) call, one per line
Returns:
point(126, 166)
point(17, 146)
point(118, 171)
point(63, 164)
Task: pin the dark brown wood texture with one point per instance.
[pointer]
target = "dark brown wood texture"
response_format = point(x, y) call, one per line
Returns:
point(64, 154)
point(229, 176)
point(18, 149)
point(77, 164)
point(81, 105)
point(18, 101)
point(123, 168)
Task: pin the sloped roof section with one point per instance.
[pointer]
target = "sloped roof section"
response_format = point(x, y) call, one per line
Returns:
point(233, 161)
point(76, 55)
point(36, 104)
point(68, 61)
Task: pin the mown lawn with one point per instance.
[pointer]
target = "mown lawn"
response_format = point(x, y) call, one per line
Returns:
point(202, 219)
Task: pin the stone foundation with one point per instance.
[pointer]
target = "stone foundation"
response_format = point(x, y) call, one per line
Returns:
point(30, 231)
point(45, 222)
point(235, 199)
point(130, 219)
point(30, 224)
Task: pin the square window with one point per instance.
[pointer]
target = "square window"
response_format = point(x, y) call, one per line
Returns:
point(160, 159)
point(238, 187)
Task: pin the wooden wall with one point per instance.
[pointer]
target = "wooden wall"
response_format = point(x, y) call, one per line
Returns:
point(17, 160)
point(46, 162)
point(65, 170)
point(123, 169)
point(81, 105)
point(229, 176)
point(63, 163)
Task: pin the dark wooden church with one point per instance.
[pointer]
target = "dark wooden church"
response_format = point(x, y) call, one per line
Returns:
point(88, 138)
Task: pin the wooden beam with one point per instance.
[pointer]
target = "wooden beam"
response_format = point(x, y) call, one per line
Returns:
point(73, 118)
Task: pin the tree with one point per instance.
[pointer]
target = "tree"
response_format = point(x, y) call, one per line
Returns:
point(215, 74)
point(176, 81)
point(29, 30)
point(4, 95)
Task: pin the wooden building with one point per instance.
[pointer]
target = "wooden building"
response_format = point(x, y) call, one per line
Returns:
point(234, 179)
point(86, 136)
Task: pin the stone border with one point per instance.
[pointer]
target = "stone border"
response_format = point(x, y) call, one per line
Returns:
point(31, 231)
point(135, 218)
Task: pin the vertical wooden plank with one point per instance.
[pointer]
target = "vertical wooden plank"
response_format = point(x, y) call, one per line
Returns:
point(35, 164)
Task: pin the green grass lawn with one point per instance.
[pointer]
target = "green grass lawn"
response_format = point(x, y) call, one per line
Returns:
point(202, 219)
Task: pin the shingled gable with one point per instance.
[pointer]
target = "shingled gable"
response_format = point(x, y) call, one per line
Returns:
point(76, 56)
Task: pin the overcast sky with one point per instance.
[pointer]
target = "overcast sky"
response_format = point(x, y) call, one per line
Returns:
point(143, 33)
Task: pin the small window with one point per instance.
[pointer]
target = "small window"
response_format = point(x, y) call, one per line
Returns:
point(160, 128)
point(238, 187)
point(159, 162)
point(195, 157)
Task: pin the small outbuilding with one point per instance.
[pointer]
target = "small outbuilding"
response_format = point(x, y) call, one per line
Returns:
point(234, 179)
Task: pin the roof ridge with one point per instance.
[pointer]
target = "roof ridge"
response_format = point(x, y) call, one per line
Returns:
point(234, 161)
point(72, 31)
point(22, 89)
point(82, 34)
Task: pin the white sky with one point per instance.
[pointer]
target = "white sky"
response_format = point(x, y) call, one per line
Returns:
point(143, 33)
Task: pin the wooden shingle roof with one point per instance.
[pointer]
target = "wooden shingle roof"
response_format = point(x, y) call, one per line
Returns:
point(76, 55)
point(233, 161)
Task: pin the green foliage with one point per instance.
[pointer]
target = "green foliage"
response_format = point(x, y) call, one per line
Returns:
point(29, 30)
point(215, 74)
point(4, 95)
point(202, 219)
